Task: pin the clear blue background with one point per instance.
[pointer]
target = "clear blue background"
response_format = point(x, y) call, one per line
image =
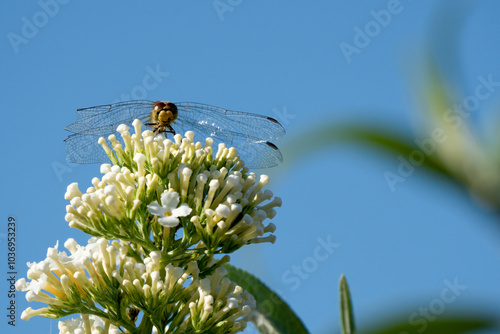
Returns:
point(396, 248)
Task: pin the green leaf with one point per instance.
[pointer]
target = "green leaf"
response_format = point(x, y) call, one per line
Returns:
point(274, 314)
point(346, 313)
point(329, 134)
point(450, 325)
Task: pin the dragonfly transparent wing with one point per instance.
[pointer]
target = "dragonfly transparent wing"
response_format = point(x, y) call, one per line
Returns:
point(228, 125)
point(103, 120)
point(248, 133)
point(257, 154)
point(84, 149)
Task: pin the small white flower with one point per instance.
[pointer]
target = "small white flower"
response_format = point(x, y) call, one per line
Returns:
point(168, 211)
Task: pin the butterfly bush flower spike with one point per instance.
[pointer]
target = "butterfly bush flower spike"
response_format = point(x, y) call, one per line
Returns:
point(174, 210)
point(102, 273)
point(222, 205)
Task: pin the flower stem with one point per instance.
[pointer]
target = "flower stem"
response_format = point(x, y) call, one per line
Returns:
point(168, 238)
point(146, 325)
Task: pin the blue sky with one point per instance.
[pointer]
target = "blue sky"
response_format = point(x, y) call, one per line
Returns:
point(282, 59)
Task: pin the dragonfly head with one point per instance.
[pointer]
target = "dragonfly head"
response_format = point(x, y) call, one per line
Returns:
point(164, 112)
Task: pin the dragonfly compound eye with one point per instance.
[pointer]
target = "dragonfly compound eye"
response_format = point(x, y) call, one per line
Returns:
point(157, 106)
point(172, 108)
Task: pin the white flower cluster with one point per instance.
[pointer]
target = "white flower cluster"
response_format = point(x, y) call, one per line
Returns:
point(188, 301)
point(220, 304)
point(172, 205)
point(86, 324)
point(176, 299)
point(53, 280)
point(228, 204)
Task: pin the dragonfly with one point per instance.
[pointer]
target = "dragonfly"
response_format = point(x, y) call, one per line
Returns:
point(251, 134)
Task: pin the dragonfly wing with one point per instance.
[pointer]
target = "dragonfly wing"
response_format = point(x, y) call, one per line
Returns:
point(260, 155)
point(248, 133)
point(106, 130)
point(84, 149)
point(256, 154)
point(229, 125)
point(103, 120)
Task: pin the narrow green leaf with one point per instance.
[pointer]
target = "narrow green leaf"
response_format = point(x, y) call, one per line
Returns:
point(346, 313)
point(445, 44)
point(330, 134)
point(274, 314)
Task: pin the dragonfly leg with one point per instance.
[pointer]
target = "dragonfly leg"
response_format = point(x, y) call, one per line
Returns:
point(170, 129)
point(154, 127)
point(163, 129)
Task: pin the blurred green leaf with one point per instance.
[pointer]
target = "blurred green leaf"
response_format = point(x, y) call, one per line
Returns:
point(346, 313)
point(319, 138)
point(457, 324)
point(274, 314)
point(331, 133)
point(445, 36)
